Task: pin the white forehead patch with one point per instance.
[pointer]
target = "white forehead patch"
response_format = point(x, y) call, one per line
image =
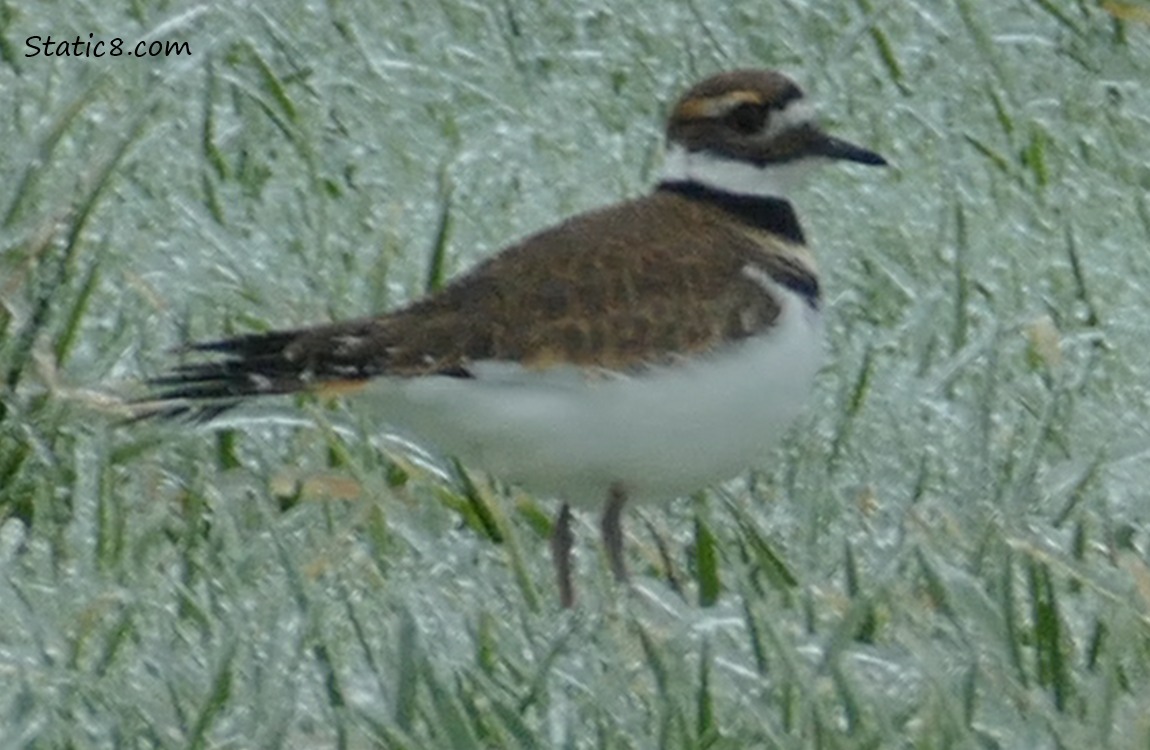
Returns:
point(797, 113)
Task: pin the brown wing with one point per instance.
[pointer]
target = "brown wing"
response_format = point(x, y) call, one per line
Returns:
point(621, 288)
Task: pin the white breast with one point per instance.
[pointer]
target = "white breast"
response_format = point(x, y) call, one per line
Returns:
point(666, 432)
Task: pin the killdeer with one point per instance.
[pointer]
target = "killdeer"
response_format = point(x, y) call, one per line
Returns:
point(640, 351)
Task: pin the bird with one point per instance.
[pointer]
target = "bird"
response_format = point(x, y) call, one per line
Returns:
point(641, 351)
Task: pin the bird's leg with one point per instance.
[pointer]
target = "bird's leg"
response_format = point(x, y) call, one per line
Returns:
point(561, 542)
point(613, 532)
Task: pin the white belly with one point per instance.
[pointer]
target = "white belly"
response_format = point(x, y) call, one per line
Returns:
point(666, 432)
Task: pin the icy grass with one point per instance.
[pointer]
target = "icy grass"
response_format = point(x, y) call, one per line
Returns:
point(950, 551)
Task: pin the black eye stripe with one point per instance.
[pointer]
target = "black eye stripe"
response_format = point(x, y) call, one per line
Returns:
point(747, 117)
point(751, 117)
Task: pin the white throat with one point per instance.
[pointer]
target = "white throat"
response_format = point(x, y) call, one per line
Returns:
point(776, 180)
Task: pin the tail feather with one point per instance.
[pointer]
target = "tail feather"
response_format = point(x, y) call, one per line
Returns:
point(251, 345)
point(219, 375)
point(168, 412)
point(252, 365)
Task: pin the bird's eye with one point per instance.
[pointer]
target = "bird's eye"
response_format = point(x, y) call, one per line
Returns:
point(747, 118)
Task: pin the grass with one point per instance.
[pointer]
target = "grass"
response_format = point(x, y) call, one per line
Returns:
point(950, 551)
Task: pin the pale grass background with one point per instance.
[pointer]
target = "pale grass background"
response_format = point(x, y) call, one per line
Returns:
point(949, 551)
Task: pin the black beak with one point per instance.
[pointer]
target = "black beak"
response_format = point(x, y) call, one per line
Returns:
point(835, 148)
